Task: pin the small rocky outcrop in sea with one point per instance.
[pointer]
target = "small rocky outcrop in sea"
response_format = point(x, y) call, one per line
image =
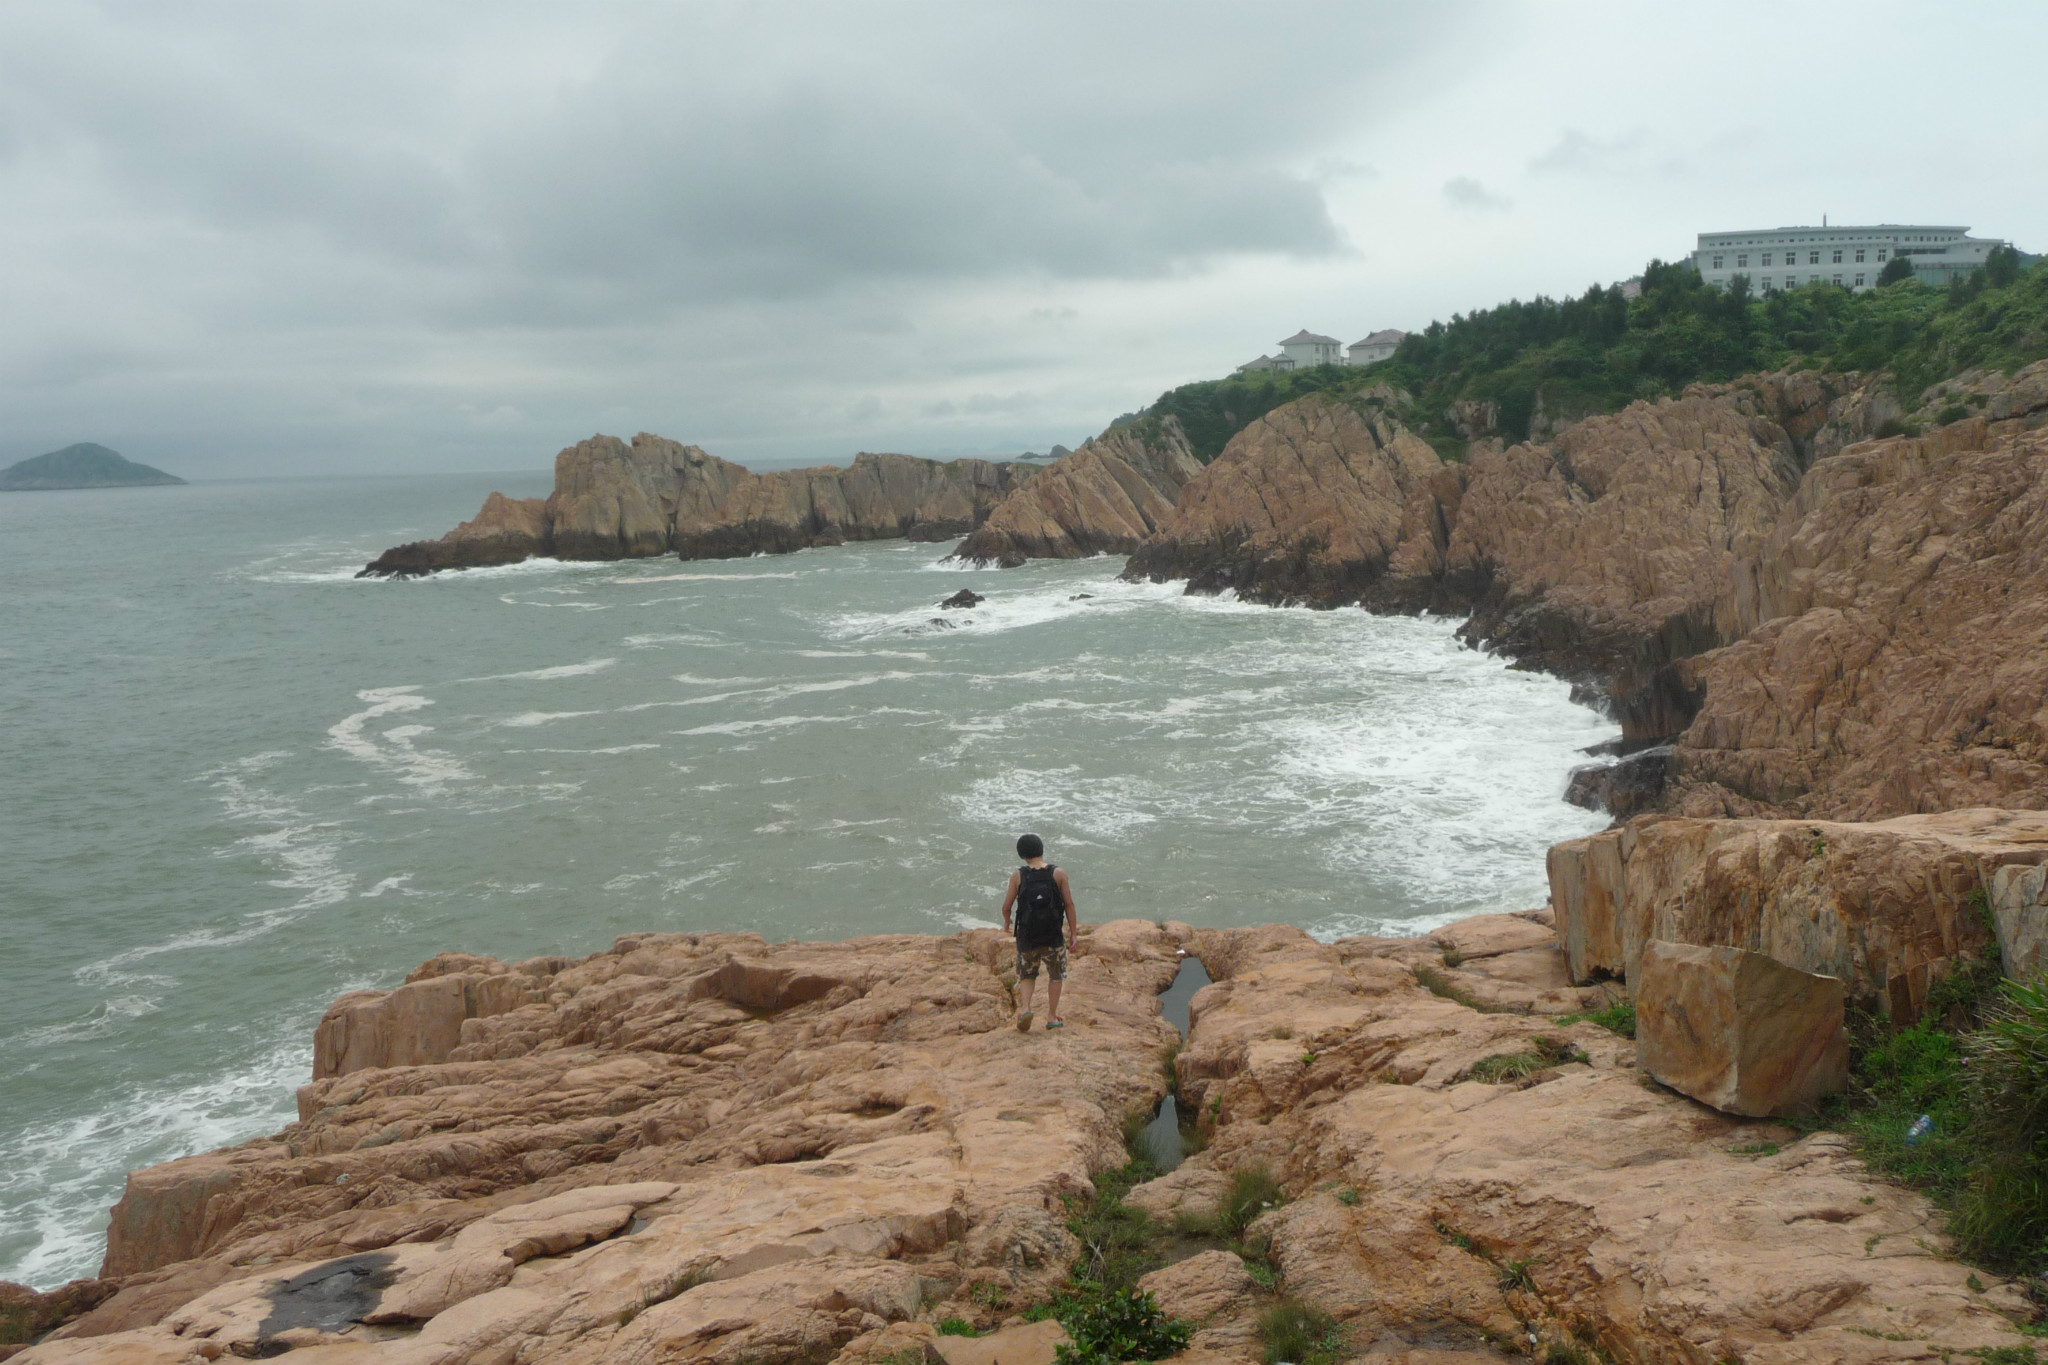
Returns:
point(84, 465)
point(655, 496)
point(1104, 498)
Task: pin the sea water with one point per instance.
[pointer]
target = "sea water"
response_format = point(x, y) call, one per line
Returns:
point(236, 781)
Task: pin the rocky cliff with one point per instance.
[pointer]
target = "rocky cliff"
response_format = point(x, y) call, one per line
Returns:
point(1321, 501)
point(1104, 498)
point(1893, 640)
point(704, 1148)
point(655, 496)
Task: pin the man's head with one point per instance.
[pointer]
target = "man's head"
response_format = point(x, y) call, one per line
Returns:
point(1030, 846)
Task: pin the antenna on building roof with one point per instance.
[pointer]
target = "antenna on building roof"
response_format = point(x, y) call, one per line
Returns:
point(1823, 220)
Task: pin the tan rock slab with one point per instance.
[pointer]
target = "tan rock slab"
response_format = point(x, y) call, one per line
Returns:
point(1886, 907)
point(2019, 907)
point(1740, 1031)
point(1202, 1287)
point(1035, 1343)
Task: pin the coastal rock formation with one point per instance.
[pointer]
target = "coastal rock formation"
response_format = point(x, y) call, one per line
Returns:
point(1603, 555)
point(1104, 498)
point(1888, 908)
point(703, 1148)
point(1320, 501)
point(618, 501)
point(1739, 1030)
point(688, 1147)
point(1575, 1208)
point(1893, 639)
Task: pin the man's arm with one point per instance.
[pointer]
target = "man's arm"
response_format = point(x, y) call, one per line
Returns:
point(1073, 915)
point(1009, 899)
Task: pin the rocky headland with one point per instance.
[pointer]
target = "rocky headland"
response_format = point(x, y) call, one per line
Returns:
point(655, 496)
point(711, 1148)
point(1104, 498)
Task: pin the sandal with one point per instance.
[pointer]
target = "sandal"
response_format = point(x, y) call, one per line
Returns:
point(1055, 1023)
point(1024, 1022)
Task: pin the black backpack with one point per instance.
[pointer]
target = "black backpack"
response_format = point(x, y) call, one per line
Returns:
point(1041, 908)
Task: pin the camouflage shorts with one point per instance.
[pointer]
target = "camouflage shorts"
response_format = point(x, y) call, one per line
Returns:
point(1053, 959)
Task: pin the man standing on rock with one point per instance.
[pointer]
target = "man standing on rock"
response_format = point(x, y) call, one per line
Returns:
point(1042, 897)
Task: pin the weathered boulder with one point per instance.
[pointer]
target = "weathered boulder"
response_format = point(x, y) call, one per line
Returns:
point(2019, 910)
point(1740, 1031)
point(614, 500)
point(966, 597)
point(1893, 650)
point(1202, 1286)
point(1321, 501)
point(418, 1024)
point(1886, 907)
point(1104, 498)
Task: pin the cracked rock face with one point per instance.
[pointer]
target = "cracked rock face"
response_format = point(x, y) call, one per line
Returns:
point(1895, 648)
point(1104, 498)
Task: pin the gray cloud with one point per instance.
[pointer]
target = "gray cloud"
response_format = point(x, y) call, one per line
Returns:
point(1627, 154)
point(1466, 193)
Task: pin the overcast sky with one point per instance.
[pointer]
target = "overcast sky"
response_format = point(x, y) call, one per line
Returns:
point(275, 238)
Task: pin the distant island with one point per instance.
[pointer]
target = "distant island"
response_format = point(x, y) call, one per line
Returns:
point(84, 465)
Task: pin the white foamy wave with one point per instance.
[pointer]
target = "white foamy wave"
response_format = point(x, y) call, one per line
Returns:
point(530, 718)
point(701, 577)
point(57, 1179)
point(582, 670)
point(103, 1019)
point(755, 727)
point(396, 750)
point(1107, 807)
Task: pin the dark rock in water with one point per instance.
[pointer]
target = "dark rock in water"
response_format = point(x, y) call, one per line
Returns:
point(1622, 789)
point(1081, 597)
point(942, 623)
point(84, 465)
point(966, 597)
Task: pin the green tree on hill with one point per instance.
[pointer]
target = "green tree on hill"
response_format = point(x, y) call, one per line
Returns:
point(1897, 269)
point(1600, 351)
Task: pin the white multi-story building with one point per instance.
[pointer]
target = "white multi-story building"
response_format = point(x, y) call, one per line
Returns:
point(1307, 348)
point(1852, 257)
point(1376, 347)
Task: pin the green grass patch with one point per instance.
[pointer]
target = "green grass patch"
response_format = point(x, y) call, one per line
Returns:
point(1544, 1051)
point(957, 1327)
point(1620, 1017)
point(1300, 1333)
point(1977, 1066)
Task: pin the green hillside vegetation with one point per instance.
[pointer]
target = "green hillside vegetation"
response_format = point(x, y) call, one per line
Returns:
point(1599, 352)
point(84, 465)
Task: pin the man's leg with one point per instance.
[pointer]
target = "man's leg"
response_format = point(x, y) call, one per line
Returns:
point(1024, 989)
point(1052, 998)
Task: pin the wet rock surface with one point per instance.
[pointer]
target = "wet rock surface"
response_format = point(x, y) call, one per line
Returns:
point(966, 597)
